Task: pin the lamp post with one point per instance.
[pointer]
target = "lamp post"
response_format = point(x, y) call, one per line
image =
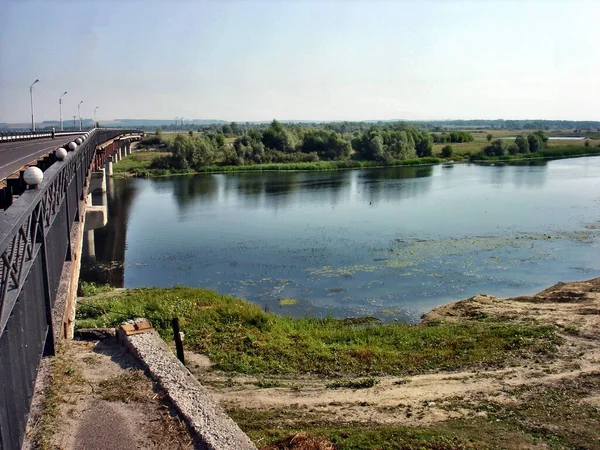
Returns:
point(60, 110)
point(95, 115)
point(79, 112)
point(31, 97)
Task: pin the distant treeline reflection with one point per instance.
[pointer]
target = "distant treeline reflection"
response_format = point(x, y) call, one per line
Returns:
point(277, 189)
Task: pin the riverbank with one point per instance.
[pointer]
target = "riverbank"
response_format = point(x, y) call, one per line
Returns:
point(480, 373)
point(139, 164)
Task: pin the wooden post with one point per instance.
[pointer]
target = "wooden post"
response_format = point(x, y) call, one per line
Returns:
point(178, 341)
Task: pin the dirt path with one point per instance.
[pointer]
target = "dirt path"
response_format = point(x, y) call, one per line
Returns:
point(573, 308)
point(100, 398)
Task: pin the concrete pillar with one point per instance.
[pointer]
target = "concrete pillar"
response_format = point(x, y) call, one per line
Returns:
point(89, 248)
point(108, 166)
point(110, 184)
point(98, 181)
point(120, 152)
point(129, 148)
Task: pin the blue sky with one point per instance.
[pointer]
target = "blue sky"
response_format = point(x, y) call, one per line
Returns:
point(303, 60)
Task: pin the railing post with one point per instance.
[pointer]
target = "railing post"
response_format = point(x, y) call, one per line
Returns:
point(49, 347)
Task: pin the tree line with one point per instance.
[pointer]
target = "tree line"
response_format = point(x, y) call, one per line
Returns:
point(531, 143)
point(279, 143)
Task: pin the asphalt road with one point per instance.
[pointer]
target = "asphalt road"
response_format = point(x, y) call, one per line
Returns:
point(14, 155)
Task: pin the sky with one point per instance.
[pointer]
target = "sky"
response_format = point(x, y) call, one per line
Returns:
point(301, 60)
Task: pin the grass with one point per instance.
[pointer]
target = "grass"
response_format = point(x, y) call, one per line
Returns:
point(138, 164)
point(89, 289)
point(239, 337)
point(537, 416)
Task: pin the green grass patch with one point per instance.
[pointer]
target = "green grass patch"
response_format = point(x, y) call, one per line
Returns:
point(240, 337)
point(89, 289)
point(139, 164)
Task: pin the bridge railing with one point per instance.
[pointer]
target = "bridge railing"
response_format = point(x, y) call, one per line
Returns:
point(34, 244)
point(29, 135)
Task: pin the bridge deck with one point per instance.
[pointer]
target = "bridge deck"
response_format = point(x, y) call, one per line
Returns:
point(15, 155)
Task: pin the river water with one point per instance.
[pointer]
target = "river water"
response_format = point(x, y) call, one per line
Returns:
point(391, 243)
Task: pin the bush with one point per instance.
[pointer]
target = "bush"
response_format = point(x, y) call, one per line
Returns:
point(496, 148)
point(447, 151)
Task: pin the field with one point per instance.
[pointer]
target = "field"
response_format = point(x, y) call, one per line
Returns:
point(137, 161)
point(466, 148)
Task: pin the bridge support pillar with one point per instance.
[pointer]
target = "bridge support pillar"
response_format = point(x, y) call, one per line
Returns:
point(96, 216)
point(89, 248)
point(128, 148)
point(98, 181)
point(120, 152)
point(108, 166)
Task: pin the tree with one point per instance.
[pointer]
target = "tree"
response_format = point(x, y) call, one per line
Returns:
point(513, 148)
point(326, 144)
point(376, 147)
point(227, 130)
point(496, 148)
point(535, 142)
point(278, 138)
point(522, 144)
point(543, 137)
point(191, 133)
point(447, 151)
point(236, 129)
point(424, 146)
point(489, 137)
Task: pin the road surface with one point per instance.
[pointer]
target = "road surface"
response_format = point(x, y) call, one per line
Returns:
point(14, 155)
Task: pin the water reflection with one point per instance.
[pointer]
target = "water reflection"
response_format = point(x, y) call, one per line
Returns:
point(389, 184)
point(104, 248)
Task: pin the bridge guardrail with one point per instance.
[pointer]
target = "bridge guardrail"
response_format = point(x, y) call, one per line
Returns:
point(29, 135)
point(34, 243)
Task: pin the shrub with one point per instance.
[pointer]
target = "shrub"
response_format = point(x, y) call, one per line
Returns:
point(447, 151)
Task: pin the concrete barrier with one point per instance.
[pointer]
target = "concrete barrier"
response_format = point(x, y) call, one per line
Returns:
point(213, 429)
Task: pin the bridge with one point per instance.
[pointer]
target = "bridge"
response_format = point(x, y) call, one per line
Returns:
point(42, 227)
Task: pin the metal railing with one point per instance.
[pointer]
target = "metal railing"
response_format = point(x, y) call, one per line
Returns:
point(29, 135)
point(34, 244)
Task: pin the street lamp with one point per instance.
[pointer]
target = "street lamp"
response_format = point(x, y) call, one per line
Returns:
point(60, 110)
point(79, 112)
point(95, 115)
point(31, 96)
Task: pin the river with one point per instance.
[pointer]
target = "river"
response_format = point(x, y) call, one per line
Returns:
point(391, 243)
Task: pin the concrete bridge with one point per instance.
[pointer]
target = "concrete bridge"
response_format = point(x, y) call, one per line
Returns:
point(43, 223)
